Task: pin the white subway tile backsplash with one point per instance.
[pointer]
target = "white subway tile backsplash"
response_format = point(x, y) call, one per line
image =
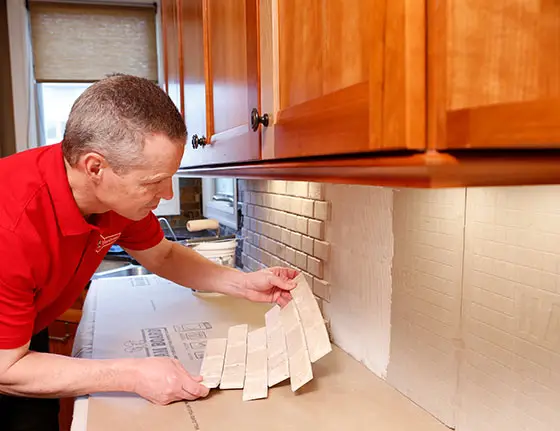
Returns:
point(286, 236)
point(315, 266)
point(321, 250)
point(295, 205)
point(316, 229)
point(278, 187)
point(301, 260)
point(321, 210)
point(316, 191)
point(301, 224)
point(295, 240)
point(298, 188)
point(322, 289)
point(307, 244)
point(307, 207)
point(291, 221)
point(290, 255)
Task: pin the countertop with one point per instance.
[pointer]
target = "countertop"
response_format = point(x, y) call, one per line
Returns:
point(344, 394)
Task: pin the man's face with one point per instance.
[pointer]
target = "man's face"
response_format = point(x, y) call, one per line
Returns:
point(138, 191)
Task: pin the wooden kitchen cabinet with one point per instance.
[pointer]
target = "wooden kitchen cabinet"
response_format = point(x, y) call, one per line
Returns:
point(335, 75)
point(394, 93)
point(494, 74)
point(219, 47)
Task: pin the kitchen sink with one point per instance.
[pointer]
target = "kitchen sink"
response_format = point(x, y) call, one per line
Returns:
point(125, 271)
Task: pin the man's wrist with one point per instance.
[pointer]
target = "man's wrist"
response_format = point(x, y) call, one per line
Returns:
point(125, 373)
point(234, 283)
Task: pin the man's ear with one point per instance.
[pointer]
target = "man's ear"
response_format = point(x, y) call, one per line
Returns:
point(94, 165)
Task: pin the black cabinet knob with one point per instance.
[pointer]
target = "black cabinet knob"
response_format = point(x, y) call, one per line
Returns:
point(256, 119)
point(198, 141)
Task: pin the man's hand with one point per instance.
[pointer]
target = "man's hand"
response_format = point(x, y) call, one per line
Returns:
point(164, 380)
point(270, 285)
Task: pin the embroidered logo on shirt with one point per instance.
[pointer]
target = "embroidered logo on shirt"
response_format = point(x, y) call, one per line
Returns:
point(106, 241)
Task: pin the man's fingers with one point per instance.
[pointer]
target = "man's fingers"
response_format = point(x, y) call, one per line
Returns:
point(194, 388)
point(281, 284)
point(283, 299)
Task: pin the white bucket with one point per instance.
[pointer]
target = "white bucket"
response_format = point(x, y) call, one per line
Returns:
point(220, 252)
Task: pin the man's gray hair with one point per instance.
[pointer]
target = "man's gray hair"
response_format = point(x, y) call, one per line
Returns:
point(114, 116)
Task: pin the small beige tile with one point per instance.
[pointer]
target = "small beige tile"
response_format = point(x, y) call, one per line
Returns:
point(253, 225)
point(276, 232)
point(266, 258)
point(315, 266)
point(322, 289)
point(281, 219)
point(301, 260)
point(298, 188)
point(316, 229)
point(317, 191)
point(321, 250)
point(283, 202)
point(322, 210)
point(307, 244)
point(246, 246)
point(250, 210)
point(290, 255)
point(276, 202)
point(259, 228)
point(306, 207)
point(267, 200)
point(257, 198)
point(295, 240)
point(301, 224)
point(278, 187)
point(308, 278)
point(286, 237)
point(295, 205)
point(292, 221)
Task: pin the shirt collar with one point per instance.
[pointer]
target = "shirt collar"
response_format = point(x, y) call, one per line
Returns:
point(70, 219)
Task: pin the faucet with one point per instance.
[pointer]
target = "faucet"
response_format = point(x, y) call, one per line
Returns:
point(168, 227)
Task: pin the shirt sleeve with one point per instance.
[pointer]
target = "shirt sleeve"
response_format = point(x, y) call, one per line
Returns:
point(142, 234)
point(17, 293)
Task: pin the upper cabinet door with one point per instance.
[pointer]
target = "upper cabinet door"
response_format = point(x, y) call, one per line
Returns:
point(229, 30)
point(192, 72)
point(171, 55)
point(494, 74)
point(323, 75)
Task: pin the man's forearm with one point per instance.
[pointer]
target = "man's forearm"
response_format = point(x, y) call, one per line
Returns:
point(44, 375)
point(188, 268)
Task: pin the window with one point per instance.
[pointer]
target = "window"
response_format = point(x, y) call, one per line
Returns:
point(55, 102)
point(77, 44)
point(219, 200)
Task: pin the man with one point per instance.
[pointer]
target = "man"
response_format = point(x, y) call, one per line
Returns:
point(61, 208)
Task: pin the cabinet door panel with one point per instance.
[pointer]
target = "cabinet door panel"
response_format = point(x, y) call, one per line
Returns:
point(193, 78)
point(495, 73)
point(171, 55)
point(330, 76)
point(232, 82)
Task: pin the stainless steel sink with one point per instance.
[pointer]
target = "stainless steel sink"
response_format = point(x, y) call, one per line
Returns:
point(125, 271)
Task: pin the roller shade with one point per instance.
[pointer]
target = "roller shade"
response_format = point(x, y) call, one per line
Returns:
point(85, 42)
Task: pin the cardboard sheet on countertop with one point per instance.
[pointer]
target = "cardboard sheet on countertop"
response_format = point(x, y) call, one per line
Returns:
point(343, 395)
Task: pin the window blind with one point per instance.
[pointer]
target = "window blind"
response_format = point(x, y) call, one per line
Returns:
point(85, 42)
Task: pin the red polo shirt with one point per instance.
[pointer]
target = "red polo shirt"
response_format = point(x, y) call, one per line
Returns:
point(48, 252)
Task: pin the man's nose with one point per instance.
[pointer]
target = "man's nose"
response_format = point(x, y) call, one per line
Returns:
point(167, 189)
